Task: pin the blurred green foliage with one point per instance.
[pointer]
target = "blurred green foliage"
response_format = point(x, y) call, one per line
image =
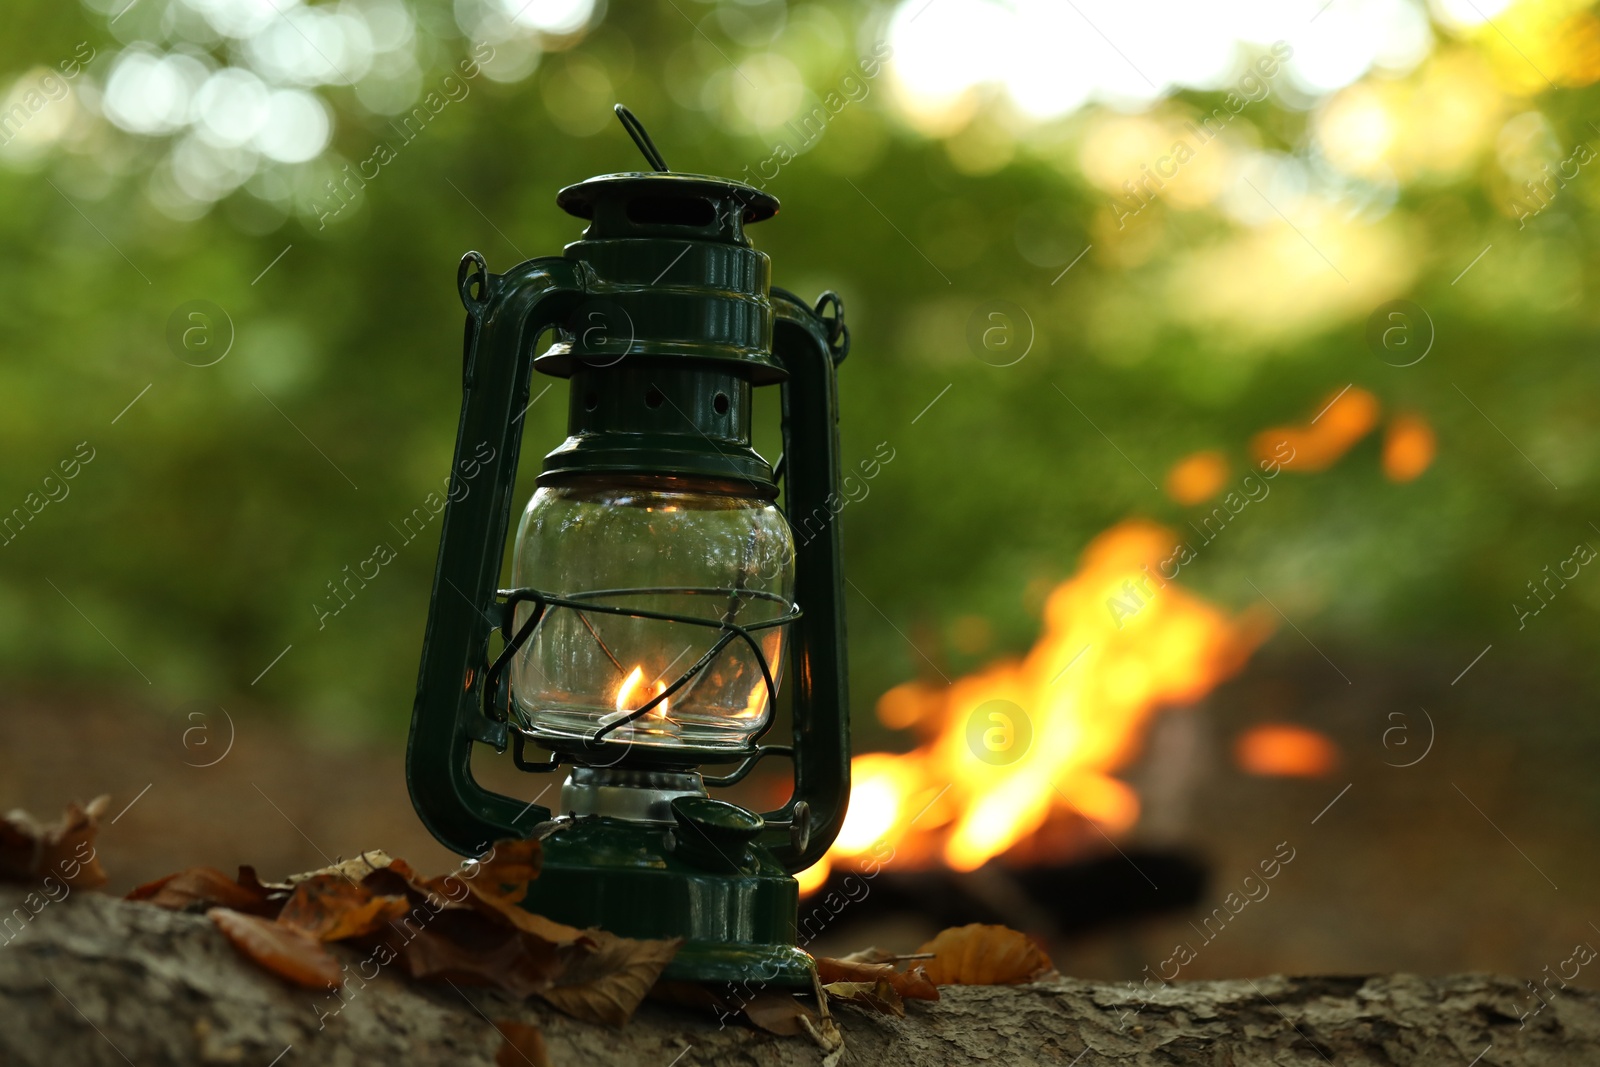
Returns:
point(190, 550)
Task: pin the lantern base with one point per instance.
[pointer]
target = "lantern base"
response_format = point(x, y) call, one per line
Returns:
point(638, 880)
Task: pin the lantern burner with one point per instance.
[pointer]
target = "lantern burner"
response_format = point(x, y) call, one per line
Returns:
point(623, 793)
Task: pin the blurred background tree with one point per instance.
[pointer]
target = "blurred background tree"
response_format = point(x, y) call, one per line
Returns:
point(161, 152)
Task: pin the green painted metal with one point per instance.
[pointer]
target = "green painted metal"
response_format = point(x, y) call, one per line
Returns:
point(649, 882)
point(657, 416)
point(665, 322)
point(810, 348)
point(505, 315)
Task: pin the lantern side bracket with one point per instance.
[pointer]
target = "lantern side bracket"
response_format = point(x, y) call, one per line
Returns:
point(519, 743)
point(506, 315)
point(810, 346)
point(738, 774)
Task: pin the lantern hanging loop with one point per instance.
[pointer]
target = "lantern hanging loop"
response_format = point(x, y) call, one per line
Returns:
point(641, 138)
point(472, 279)
point(838, 332)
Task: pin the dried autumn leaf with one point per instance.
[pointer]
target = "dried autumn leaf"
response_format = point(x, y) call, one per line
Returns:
point(287, 952)
point(521, 1045)
point(64, 849)
point(403, 869)
point(606, 984)
point(883, 955)
point(200, 888)
point(330, 907)
point(912, 985)
point(781, 1013)
point(399, 880)
point(354, 870)
point(979, 954)
point(507, 870)
point(826, 1034)
point(251, 880)
point(468, 947)
point(879, 996)
point(458, 890)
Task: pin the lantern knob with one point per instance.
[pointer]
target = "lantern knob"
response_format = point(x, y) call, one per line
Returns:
point(715, 834)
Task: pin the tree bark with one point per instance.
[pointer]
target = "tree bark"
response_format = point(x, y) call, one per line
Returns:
point(92, 980)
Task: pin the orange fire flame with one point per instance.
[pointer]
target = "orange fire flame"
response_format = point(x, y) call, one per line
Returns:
point(1408, 447)
point(1017, 756)
point(625, 699)
point(1285, 751)
point(1197, 477)
point(1016, 760)
point(1345, 419)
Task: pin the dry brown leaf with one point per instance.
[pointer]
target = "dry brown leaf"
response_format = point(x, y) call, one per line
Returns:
point(251, 880)
point(606, 984)
point(781, 1013)
point(467, 927)
point(883, 955)
point(511, 865)
point(403, 869)
point(291, 954)
point(521, 1045)
point(462, 890)
point(354, 870)
point(980, 954)
point(64, 849)
point(468, 947)
point(827, 1036)
point(399, 880)
point(200, 888)
point(912, 985)
point(330, 907)
point(879, 996)
point(457, 889)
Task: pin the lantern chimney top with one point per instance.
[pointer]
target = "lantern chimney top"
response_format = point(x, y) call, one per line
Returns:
point(664, 203)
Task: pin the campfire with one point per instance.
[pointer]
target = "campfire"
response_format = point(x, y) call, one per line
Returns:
point(1017, 760)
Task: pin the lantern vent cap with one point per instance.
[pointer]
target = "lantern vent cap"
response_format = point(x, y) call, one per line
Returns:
point(661, 202)
point(662, 196)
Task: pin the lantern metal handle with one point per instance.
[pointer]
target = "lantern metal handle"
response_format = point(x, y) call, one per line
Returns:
point(506, 314)
point(809, 347)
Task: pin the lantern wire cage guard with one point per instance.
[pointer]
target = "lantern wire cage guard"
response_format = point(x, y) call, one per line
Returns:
point(596, 748)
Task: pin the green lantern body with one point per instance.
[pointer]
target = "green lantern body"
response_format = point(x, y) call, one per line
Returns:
point(665, 322)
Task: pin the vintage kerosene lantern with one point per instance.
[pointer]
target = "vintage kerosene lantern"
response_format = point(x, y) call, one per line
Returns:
point(656, 587)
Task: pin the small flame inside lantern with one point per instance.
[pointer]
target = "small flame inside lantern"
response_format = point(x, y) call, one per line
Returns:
point(656, 719)
point(672, 555)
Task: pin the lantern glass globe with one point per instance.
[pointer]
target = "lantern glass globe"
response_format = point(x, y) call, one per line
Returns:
point(701, 550)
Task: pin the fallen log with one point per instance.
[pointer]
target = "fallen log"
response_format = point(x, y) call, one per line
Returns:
point(93, 980)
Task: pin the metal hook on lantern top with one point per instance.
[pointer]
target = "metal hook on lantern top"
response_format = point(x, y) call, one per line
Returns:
point(838, 332)
point(466, 279)
point(641, 137)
